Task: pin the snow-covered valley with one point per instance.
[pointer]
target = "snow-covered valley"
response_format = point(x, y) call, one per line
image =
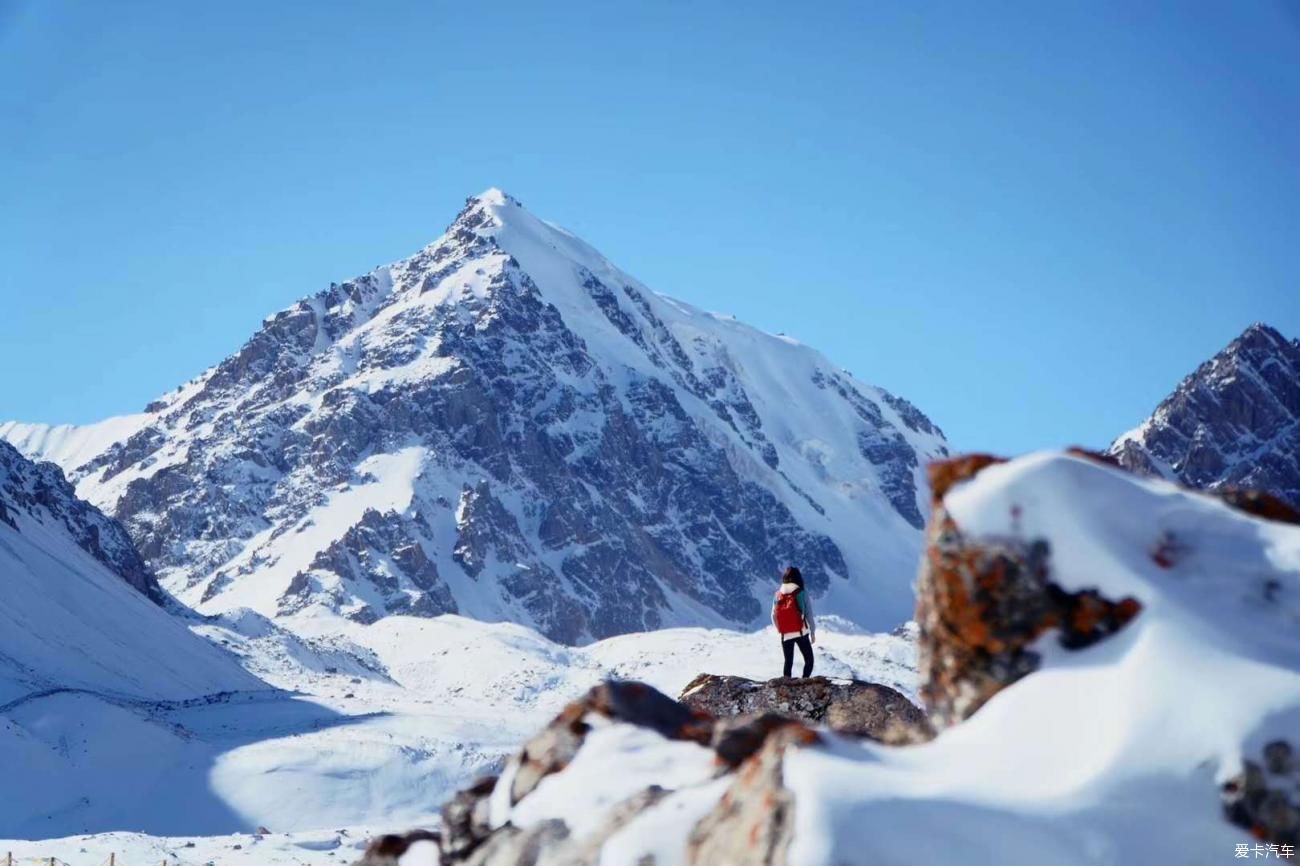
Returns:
point(362, 732)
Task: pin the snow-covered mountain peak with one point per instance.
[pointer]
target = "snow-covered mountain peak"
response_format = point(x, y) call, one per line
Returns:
point(507, 426)
point(494, 195)
point(1253, 353)
point(484, 215)
point(1259, 334)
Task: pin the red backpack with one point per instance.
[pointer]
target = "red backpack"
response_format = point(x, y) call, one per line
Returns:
point(788, 618)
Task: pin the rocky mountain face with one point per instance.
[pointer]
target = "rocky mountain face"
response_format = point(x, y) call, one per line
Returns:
point(506, 426)
point(1233, 423)
point(39, 491)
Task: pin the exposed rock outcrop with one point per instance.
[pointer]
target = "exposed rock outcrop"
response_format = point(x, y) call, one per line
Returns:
point(982, 603)
point(388, 850)
point(752, 820)
point(631, 702)
point(465, 819)
point(753, 823)
point(852, 707)
point(1264, 797)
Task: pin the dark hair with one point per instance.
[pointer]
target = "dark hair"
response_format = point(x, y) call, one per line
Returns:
point(792, 575)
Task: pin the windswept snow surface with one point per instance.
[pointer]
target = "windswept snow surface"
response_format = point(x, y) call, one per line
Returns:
point(342, 845)
point(93, 675)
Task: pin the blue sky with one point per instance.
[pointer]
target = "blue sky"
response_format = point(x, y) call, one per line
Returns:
point(1031, 219)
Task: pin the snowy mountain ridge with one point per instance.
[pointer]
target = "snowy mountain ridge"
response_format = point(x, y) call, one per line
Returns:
point(40, 493)
point(1233, 423)
point(507, 426)
point(76, 615)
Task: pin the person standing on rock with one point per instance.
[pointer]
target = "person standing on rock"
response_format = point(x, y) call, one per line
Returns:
point(793, 618)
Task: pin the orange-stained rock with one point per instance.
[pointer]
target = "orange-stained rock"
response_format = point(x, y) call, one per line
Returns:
point(619, 700)
point(753, 823)
point(1260, 503)
point(982, 603)
point(945, 473)
point(1095, 456)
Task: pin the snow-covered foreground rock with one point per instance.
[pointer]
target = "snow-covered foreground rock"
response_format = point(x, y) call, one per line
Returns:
point(1113, 752)
point(506, 426)
point(1156, 698)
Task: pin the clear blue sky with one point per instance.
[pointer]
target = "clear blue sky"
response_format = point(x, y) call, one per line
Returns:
point(1029, 218)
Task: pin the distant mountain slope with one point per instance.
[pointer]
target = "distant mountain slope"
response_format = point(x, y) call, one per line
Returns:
point(68, 618)
point(69, 445)
point(1234, 422)
point(40, 492)
point(506, 426)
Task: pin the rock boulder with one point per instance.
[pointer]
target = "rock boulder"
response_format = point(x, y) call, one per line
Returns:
point(847, 707)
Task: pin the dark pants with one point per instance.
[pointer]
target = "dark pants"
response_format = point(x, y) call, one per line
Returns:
point(805, 647)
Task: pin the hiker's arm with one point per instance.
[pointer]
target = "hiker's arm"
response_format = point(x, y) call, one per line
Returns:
point(805, 605)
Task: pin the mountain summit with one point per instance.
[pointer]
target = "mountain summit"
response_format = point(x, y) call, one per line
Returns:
point(506, 426)
point(1234, 422)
